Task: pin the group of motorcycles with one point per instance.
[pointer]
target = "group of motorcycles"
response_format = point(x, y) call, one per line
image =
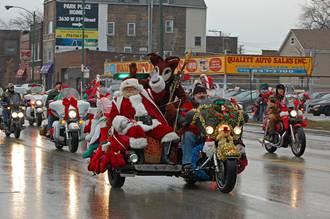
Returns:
point(217, 157)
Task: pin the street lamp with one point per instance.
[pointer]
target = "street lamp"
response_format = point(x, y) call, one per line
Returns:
point(8, 7)
point(83, 47)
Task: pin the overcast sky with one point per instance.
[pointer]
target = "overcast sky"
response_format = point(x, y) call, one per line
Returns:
point(258, 23)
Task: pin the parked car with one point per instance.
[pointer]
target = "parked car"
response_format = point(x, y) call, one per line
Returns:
point(322, 107)
point(315, 102)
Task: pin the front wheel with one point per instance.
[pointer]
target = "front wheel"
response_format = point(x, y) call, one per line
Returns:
point(298, 147)
point(17, 132)
point(74, 144)
point(116, 181)
point(226, 177)
point(39, 119)
point(58, 145)
point(270, 149)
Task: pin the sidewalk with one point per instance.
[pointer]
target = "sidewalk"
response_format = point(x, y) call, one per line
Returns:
point(313, 131)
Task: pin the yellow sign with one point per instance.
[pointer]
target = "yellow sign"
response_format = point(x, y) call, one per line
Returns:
point(240, 64)
point(76, 34)
point(275, 65)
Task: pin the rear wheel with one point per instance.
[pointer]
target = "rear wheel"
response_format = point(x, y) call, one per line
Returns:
point(226, 177)
point(299, 146)
point(7, 134)
point(116, 181)
point(31, 122)
point(74, 144)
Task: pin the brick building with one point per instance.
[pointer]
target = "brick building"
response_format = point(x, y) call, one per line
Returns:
point(122, 26)
point(9, 55)
point(68, 64)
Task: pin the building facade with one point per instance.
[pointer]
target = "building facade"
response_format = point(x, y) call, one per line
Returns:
point(314, 43)
point(221, 44)
point(9, 55)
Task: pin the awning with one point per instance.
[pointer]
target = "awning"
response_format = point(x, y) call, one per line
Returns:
point(46, 68)
point(21, 74)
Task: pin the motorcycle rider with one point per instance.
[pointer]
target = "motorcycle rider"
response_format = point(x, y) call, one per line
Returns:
point(8, 96)
point(51, 96)
point(191, 132)
point(274, 106)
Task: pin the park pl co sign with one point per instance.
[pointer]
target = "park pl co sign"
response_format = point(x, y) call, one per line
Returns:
point(242, 64)
point(69, 23)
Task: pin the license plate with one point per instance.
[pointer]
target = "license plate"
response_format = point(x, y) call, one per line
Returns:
point(209, 148)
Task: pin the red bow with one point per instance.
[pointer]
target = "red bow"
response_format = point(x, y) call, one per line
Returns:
point(70, 102)
point(104, 95)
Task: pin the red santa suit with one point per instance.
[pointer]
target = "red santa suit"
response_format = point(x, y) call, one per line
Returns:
point(125, 109)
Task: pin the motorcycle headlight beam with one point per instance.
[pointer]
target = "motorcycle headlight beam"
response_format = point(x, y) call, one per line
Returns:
point(237, 130)
point(209, 130)
point(20, 115)
point(39, 103)
point(293, 113)
point(14, 115)
point(72, 114)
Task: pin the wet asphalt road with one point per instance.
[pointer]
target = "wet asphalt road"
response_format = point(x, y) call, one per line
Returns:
point(37, 181)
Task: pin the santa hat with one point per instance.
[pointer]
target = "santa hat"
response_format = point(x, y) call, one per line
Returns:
point(130, 82)
point(104, 104)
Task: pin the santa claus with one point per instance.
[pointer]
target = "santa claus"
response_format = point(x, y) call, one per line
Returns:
point(136, 106)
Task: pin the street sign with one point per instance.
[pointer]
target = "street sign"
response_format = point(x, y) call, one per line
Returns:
point(69, 23)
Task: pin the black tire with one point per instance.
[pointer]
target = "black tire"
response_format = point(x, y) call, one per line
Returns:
point(58, 145)
point(7, 134)
point(270, 149)
point(327, 111)
point(190, 181)
point(74, 144)
point(116, 181)
point(299, 150)
point(226, 178)
point(17, 133)
point(30, 123)
point(39, 119)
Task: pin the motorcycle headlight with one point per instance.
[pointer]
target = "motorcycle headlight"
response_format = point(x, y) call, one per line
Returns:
point(293, 113)
point(209, 130)
point(72, 114)
point(20, 115)
point(237, 130)
point(39, 103)
point(14, 115)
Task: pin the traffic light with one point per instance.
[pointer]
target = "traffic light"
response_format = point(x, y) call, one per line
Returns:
point(121, 76)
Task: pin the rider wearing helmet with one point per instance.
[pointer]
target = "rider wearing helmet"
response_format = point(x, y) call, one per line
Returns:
point(8, 96)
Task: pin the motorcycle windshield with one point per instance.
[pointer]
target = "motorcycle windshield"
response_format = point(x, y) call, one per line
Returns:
point(69, 93)
point(36, 90)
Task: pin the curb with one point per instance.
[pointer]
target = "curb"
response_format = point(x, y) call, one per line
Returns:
point(316, 131)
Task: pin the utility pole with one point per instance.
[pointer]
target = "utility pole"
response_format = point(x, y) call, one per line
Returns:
point(161, 26)
point(33, 45)
point(83, 47)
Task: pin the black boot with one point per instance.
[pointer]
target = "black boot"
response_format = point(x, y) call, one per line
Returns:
point(166, 153)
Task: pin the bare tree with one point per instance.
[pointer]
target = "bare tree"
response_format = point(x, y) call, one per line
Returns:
point(316, 15)
point(24, 20)
point(3, 24)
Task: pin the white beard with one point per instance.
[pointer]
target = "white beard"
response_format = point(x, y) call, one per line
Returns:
point(138, 106)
